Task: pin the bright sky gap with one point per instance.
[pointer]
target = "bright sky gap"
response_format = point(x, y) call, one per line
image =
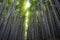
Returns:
point(26, 20)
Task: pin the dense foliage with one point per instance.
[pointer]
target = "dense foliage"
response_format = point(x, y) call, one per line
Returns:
point(29, 19)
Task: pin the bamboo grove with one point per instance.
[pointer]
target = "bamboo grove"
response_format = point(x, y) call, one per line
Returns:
point(29, 19)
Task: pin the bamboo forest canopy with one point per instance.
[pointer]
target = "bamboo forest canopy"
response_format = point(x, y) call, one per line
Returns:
point(29, 19)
